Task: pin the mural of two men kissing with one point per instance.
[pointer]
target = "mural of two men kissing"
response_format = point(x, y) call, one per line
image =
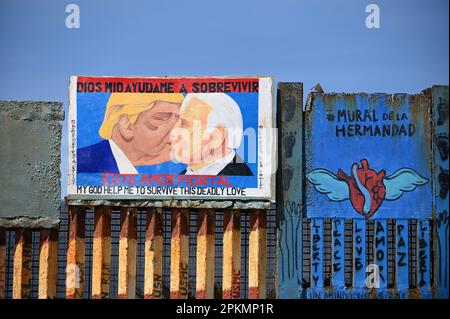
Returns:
point(188, 134)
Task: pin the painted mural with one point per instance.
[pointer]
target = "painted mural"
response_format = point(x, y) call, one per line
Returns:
point(368, 156)
point(170, 137)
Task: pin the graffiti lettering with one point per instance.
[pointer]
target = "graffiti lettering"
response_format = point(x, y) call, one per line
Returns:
point(401, 244)
point(316, 249)
point(106, 270)
point(442, 111)
point(337, 236)
point(380, 245)
point(358, 248)
point(371, 116)
point(423, 254)
point(183, 279)
point(157, 286)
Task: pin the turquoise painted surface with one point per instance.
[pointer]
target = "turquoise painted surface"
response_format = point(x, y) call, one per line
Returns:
point(368, 156)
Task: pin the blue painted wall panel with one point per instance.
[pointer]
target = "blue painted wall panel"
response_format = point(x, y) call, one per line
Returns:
point(368, 155)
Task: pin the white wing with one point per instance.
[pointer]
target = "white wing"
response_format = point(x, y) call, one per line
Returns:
point(329, 184)
point(403, 180)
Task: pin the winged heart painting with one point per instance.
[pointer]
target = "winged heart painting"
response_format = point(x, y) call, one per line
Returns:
point(365, 188)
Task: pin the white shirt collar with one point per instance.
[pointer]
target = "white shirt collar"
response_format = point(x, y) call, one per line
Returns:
point(214, 168)
point(123, 163)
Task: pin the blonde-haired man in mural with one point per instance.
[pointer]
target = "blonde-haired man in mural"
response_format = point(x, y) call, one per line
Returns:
point(135, 131)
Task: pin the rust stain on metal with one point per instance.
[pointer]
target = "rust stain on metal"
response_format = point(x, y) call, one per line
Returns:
point(48, 263)
point(153, 254)
point(205, 254)
point(22, 264)
point(232, 220)
point(206, 222)
point(101, 256)
point(127, 253)
point(257, 255)
point(179, 258)
point(75, 254)
point(180, 222)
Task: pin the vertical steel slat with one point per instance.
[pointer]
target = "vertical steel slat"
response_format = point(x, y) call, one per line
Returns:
point(2, 263)
point(205, 254)
point(48, 263)
point(75, 253)
point(22, 264)
point(401, 256)
point(153, 254)
point(338, 253)
point(423, 258)
point(381, 251)
point(359, 254)
point(127, 253)
point(317, 253)
point(101, 256)
point(257, 276)
point(179, 254)
point(231, 282)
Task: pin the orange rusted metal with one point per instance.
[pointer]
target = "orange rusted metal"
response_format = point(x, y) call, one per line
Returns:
point(48, 263)
point(257, 255)
point(127, 253)
point(22, 264)
point(231, 283)
point(101, 257)
point(179, 257)
point(205, 254)
point(75, 253)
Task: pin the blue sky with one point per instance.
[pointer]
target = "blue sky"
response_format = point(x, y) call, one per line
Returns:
point(308, 41)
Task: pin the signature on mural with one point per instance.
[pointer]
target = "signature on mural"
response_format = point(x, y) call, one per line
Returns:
point(365, 188)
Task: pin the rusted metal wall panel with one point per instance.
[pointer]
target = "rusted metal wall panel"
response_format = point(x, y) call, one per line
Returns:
point(30, 146)
point(289, 188)
point(441, 157)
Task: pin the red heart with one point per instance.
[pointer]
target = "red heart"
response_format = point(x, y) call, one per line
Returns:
point(367, 190)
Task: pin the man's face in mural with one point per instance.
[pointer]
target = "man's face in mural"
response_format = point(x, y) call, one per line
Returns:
point(149, 137)
point(189, 133)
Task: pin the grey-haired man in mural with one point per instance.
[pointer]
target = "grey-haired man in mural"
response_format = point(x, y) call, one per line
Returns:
point(206, 137)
